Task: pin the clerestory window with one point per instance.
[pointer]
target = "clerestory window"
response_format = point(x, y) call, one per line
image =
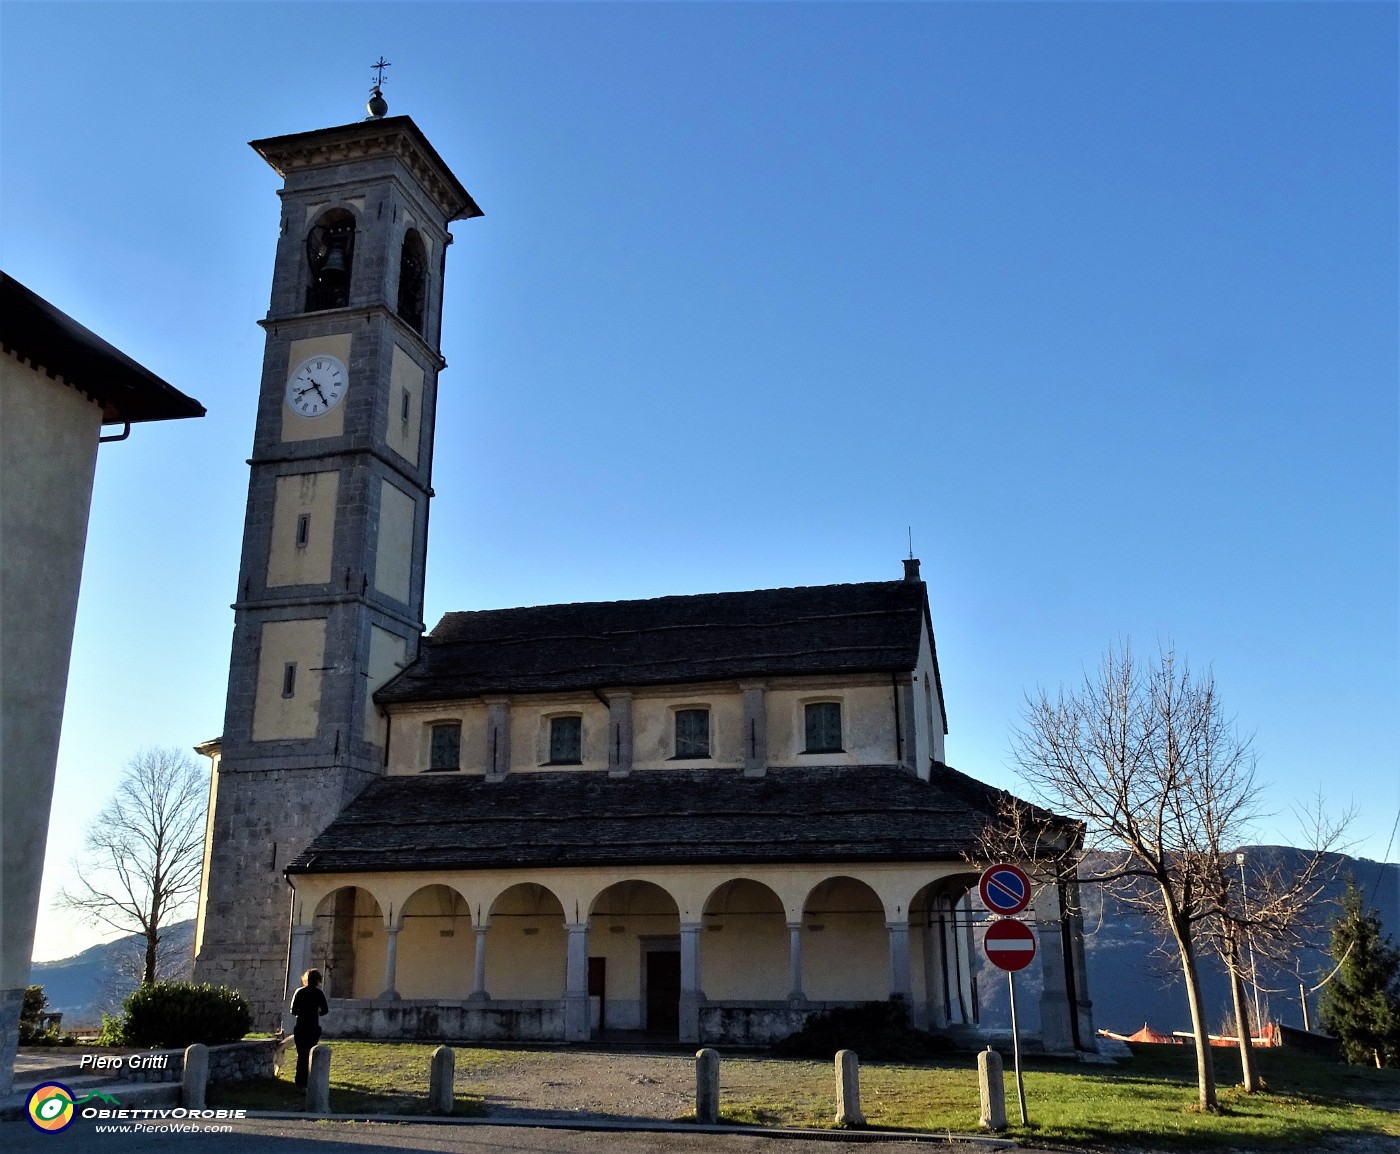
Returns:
point(565, 741)
point(692, 733)
point(824, 727)
point(445, 746)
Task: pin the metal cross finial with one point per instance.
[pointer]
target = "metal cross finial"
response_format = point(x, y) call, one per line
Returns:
point(379, 66)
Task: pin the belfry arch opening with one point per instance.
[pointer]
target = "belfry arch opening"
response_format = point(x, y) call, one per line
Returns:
point(413, 281)
point(330, 258)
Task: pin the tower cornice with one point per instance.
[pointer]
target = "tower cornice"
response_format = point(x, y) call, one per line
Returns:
point(274, 324)
point(393, 136)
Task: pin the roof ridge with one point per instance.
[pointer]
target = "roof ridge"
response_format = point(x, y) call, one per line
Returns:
point(674, 597)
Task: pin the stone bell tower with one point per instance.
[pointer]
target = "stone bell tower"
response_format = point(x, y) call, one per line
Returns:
point(330, 589)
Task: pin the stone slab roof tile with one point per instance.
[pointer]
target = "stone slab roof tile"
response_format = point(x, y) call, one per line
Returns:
point(857, 628)
point(653, 817)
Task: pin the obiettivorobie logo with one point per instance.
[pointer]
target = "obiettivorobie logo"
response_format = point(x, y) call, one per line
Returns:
point(52, 1108)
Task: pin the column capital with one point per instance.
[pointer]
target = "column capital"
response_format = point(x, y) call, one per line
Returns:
point(692, 927)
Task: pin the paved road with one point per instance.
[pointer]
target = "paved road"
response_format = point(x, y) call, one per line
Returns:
point(267, 1136)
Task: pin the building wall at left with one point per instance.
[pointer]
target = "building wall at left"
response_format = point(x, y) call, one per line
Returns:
point(48, 452)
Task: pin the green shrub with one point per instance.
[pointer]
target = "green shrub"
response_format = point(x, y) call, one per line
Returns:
point(876, 1031)
point(174, 1014)
point(111, 1034)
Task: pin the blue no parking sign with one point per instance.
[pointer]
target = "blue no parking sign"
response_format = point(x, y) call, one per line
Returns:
point(1005, 889)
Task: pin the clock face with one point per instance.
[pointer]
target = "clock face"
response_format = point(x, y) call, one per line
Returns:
point(317, 385)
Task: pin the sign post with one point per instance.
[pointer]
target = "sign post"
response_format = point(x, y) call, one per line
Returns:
point(1009, 944)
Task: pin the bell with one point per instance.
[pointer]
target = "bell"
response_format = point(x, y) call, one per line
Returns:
point(335, 260)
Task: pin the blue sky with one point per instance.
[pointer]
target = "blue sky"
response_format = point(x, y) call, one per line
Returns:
point(1098, 299)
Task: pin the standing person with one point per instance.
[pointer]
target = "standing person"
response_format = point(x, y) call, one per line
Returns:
point(308, 1004)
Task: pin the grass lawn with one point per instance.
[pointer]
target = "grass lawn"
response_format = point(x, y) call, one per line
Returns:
point(366, 1078)
point(1145, 1103)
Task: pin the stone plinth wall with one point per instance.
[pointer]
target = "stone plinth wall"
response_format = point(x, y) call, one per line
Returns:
point(754, 1023)
point(233, 1062)
point(523, 1021)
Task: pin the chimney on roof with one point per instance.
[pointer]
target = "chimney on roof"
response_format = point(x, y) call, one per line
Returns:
point(911, 569)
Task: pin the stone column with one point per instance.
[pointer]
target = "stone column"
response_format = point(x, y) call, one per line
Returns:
point(442, 1077)
point(496, 755)
point(1074, 923)
point(298, 956)
point(707, 1087)
point(993, 1090)
point(901, 984)
point(479, 993)
point(576, 985)
point(848, 1089)
point(318, 1083)
point(755, 728)
point(391, 964)
point(1056, 1034)
point(795, 993)
point(619, 732)
point(194, 1080)
point(691, 994)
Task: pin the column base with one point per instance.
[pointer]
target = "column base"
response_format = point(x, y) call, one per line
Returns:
point(690, 1016)
point(576, 1018)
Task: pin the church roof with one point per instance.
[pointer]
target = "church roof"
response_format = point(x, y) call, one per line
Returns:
point(654, 817)
point(870, 627)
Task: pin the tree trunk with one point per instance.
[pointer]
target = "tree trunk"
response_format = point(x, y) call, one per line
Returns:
point(1248, 1076)
point(148, 975)
point(1205, 1066)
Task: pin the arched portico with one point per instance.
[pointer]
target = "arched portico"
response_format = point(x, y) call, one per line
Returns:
point(942, 953)
point(436, 952)
point(745, 944)
point(844, 952)
point(349, 944)
point(525, 946)
point(634, 959)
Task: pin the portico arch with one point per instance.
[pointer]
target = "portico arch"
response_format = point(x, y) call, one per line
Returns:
point(942, 952)
point(634, 957)
point(349, 944)
point(437, 949)
point(527, 945)
point(744, 945)
point(845, 944)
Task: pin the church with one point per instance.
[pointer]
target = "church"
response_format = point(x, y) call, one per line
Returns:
point(701, 818)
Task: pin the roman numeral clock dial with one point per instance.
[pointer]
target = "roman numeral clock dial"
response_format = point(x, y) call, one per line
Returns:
point(317, 385)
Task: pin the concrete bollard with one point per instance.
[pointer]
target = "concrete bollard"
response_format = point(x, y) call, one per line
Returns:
point(993, 1090)
point(442, 1078)
point(318, 1082)
point(848, 1089)
point(194, 1082)
point(707, 1086)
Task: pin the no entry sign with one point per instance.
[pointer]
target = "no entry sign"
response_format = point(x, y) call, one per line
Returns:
point(1009, 945)
point(1005, 889)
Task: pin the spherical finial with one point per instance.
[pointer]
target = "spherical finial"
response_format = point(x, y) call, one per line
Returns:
point(377, 105)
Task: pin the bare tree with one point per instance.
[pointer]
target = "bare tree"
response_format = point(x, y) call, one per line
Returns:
point(1146, 760)
point(139, 870)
